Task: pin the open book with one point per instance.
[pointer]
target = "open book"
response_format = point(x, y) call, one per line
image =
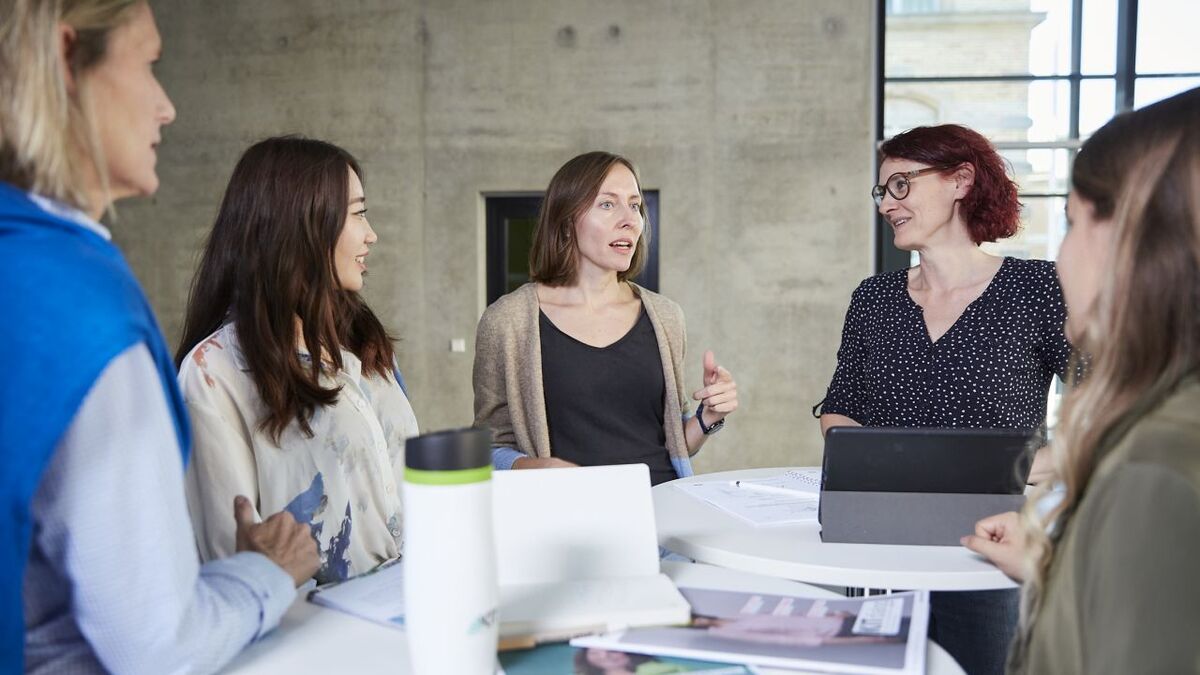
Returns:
point(577, 553)
point(878, 634)
point(536, 613)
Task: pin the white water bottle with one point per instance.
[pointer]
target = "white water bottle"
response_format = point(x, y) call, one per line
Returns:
point(450, 592)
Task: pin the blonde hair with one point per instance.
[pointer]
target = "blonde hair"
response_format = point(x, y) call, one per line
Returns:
point(48, 140)
point(1143, 335)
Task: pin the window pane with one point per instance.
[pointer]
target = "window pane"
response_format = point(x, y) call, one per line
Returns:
point(913, 6)
point(1050, 39)
point(938, 38)
point(1049, 111)
point(1166, 41)
point(1097, 99)
point(1040, 171)
point(1147, 90)
point(1099, 43)
point(520, 241)
point(1043, 225)
point(1002, 111)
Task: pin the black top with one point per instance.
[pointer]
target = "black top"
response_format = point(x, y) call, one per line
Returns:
point(605, 405)
point(992, 369)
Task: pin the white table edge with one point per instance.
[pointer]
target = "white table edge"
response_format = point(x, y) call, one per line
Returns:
point(989, 578)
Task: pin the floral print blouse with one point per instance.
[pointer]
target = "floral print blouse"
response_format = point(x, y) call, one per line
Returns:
point(344, 481)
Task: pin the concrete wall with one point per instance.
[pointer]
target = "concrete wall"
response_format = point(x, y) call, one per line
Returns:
point(753, 119)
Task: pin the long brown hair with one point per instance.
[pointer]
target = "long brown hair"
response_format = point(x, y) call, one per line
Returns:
point(1141, 170)
point(554, 257)
point(269, 261)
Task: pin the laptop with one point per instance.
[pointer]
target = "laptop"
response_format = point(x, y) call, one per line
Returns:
point(886, 485)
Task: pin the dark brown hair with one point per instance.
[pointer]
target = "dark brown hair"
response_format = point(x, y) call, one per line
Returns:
point(554, 257)
point(990, 209)
point(269, 261)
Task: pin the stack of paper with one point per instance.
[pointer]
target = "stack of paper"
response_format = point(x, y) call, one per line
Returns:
point(790, 497)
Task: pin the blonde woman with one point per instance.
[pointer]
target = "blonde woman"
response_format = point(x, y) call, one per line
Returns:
point(1109, 559)
point(98, 555)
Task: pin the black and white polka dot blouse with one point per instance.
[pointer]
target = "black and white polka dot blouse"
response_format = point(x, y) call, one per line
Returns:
point(992, 369)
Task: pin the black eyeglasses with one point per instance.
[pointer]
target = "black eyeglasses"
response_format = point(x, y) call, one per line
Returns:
point(897, 184)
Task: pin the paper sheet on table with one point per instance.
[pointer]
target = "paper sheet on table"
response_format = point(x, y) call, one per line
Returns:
point(759, 507)
point(376, 596)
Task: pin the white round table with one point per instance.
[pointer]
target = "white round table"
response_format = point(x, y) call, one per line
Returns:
point(705, 533)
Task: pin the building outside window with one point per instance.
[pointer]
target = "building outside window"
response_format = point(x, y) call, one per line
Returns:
point(1037, 77)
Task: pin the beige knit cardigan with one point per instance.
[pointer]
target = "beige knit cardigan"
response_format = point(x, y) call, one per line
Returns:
point(507, 377)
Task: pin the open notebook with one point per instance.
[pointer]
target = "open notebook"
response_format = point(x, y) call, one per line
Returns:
point(576, 552)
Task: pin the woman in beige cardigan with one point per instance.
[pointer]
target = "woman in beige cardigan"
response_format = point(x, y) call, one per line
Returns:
point(582, 366)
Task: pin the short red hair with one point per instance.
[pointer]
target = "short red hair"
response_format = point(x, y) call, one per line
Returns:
point(991, 208)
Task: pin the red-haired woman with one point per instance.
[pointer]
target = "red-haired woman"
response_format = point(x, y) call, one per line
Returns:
point(964, 339)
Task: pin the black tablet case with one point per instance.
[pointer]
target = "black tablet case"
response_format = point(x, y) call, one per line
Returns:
point(918, 486)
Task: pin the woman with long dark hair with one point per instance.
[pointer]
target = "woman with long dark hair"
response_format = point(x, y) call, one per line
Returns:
point(290, 378)
point(1109, 555)
point(964, 339)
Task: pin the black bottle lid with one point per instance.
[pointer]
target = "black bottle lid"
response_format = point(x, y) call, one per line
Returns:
point(451, 450)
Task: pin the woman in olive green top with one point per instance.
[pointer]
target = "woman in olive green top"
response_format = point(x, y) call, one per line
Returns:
point(1109, 559)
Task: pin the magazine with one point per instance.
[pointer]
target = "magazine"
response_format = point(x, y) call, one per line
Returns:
point(876, 634)
point(562, 659)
